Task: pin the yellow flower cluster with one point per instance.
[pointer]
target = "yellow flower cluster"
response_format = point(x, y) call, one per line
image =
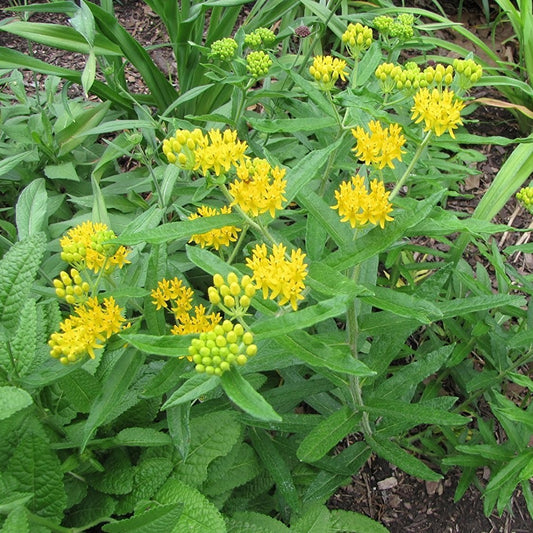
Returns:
point(259, 187)
point(215, 152)
point(359, 206)
point(180, 298)
point(85, 246)
point(277, 276)
point(232, 295)
point(357, 38)
point(440, 110)
point(216, 237)
point(326, 70)
point(381, 146)
point(86, 330)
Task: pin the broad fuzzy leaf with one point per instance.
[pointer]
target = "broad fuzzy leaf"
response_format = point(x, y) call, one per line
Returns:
point(350, 521)
point(17, 272)
point(158, 519)
point(199, 514)
point(117, 477)
point(31, 209)
point(24, 342)
point(81, 389)
point(12, 400)
point(142, 437)
point(316, 519)
point(250, 522)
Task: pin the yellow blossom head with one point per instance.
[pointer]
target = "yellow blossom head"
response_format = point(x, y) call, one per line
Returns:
point(326, 70)
point(439, 110)
point(381, 146)
point(216, 237)
point(259, 187)
point(358, 206)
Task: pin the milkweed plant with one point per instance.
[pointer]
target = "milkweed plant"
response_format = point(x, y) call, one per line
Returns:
point(264, 326)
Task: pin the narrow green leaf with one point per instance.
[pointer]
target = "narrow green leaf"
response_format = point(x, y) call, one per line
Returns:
point(158, 519)
point(9, 163)
point(89, 73)
point(328, 434)
point(12, 400)
point(113, 388)
point(119, 125)
point(316, 519)
point(276, 466)
point(192, 389)
point(462, 306)
point(390, 451)
point(246, 397)
point(31, 209)
point(169, 345)
point(291, 125)
point(167, 378)
point(83, 22)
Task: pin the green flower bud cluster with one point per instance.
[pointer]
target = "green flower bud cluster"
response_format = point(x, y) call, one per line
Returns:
point(400, 28)
point(179, 149)
point(258, 63)
point(468, 72)
point(73, 253)
point(357, 39)
point(214, 352)
point(99, 242)
point(411, 78)
point(525, 197)
point(259, 38)
point(71, 288)
point(231, 295)
point(439, 75)
point(224, 49)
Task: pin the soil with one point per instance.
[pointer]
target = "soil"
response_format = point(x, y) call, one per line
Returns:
point(399, 501)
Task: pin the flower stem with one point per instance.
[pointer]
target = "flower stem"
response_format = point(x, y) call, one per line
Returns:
point(409, 169)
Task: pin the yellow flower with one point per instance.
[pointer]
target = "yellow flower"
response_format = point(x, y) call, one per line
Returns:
point(440, 110)
point(326, 70)
point(198, 323)
point(173, 290)
point(381, 146)
point(259, 187)
point(357, 206)
point(278, 276)
point(85, 245)
point(216, 237)
point(219, 152)
point(86, 330)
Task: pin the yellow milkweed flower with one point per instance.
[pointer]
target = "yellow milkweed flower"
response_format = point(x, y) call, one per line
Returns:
point(358, 206)
point(440, 110)
point(277, 276)
point(259, 187)
point(173, 290)
point(200, 322)
point(381, 146)
point(216, 237)
point(86, 330)
point(85, 245)
point(326, 70)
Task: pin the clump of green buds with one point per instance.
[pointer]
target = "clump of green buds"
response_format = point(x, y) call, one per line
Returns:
point(400, 28)
point(215, 351)
point(258, 63)
point(73, 253)
point(357, 39)
point(386, 73)
point(71, 288)
point(100, 242)
point(468, 72)
point(525, 197)
point(232, 295)
point(179, 150)
point(224, 49)
point(259, 38)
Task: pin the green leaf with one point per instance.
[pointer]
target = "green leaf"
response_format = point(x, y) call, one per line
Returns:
point(212, 435)
point(24, 354)
point(198, 515)
point(81, 389)
point(12, 400)
point(9, 163)
point(328, 434)
point(316, 519)
point(192, 389)
point(167, 378)
point(179, 230)
point(462, 306)
point(390, 451)
point(178, 420)
point(64, 171)
point(141, 437)
point(291, 125)
point(158, 519)
point(277, 467)
point(117, 477)
point(36, 469)
point(252, 522)
point(416, 413)
point(350, 521)
point(31, 209)
point(113, 388)
point(169, 345)
point(83, 22)
point(89, 73)
point(240, 392)
point(318, 354)
point(17, 521)
point(18, 268)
